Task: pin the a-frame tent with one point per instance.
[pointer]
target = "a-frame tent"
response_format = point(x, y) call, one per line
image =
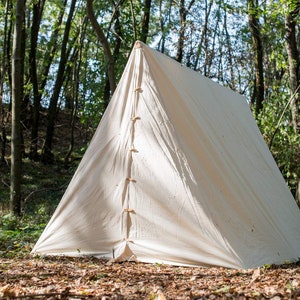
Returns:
point(177, 172)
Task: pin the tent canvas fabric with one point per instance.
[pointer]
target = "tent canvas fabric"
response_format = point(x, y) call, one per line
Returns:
point(177, 172)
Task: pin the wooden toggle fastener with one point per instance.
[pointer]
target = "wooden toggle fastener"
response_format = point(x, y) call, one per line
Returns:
point(139, 89)
point(133, 149)
point(129, 210)
point(135, 118)
point(130, 179)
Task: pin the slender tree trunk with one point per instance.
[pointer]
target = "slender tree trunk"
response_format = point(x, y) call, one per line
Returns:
point(117, 46)
point(48, 58)
point(25, 96)
point(17, 95)
point(3, 72)
point(47, 155)
point(8, 50)
point(210, 50)
point(294, 64)
point(74, 90)
point(73, 105)
point(162, 28)
point(105, 44)
point(229, 50)
point(204, 34)
point(134, 26)
point(36, 20)
point(180, 43)
point(164, 17)
point(294, 70)
point(145, 21)
point(183, 10)
point(258, 54)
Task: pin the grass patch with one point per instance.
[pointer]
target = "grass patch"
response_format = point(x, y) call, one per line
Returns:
point(18, 235)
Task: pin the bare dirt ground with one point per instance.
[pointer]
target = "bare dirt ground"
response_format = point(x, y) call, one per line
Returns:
point(90, 278)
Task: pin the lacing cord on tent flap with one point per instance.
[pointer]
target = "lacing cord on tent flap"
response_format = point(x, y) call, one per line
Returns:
point(129, 210)
point(138, 89)
point(130, 179)
point(132, 149)
point(135, 118)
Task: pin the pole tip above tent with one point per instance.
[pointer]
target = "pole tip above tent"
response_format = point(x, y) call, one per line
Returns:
point(137, 44)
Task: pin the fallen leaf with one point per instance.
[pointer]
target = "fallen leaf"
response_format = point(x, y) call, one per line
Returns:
point(255, 275)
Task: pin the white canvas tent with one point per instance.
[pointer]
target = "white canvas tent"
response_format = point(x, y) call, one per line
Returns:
point(177, 172)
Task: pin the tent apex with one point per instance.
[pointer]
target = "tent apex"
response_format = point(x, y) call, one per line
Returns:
point(138, 44)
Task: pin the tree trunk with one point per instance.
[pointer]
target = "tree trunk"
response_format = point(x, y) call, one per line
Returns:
point(145, 21)
point(134, 26)
point(117, 46)
point(162, 28)
point(204, 34)
point(297, 196)
point(17, 94)
point(210, 48)
point(229, 51)
point(294, 63)
point(74, 87)
point(36, 20)
point(182, 13)
point(44, 77)
point(3, 72)
point(180, 43)
point(254, 27)
point(47, 155)
point(104, 42)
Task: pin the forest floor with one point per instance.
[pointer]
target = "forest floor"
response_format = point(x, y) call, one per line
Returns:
point(90, 278)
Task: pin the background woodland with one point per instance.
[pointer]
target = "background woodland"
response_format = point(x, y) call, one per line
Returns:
point(60, 62)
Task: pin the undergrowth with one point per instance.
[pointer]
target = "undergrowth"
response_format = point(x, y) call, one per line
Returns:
point(42, 188)
point(19, 234)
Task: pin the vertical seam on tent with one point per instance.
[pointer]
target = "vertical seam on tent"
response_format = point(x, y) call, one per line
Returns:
point(134, 117)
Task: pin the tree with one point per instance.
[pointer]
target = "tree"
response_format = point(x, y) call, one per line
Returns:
point(254, 26)
point(17, 96)
point(145, 21)
point(181, 39)
point(38, 8)
point(292, 47)
point(202, 47)
point(77, 50)
point(294, 61)
point(47, 155)
point(105, 44)
point(4, 71)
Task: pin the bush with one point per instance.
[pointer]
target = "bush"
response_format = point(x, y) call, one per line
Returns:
point(275, 122)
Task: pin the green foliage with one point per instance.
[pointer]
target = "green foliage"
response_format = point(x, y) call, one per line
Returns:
point(18, 235)
point(279, 134)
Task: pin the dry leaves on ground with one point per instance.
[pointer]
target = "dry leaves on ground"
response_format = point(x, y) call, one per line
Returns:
point(90, 278)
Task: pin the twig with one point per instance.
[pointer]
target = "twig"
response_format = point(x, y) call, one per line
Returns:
point(6, 184)
point(42, 190)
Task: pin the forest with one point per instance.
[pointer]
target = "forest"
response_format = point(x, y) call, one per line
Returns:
point(63, 59)
point(60, 63)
